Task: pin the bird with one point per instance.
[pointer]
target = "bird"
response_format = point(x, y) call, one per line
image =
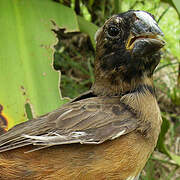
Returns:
point(108, 132)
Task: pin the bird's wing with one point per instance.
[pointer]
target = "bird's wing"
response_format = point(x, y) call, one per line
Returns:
point(88, 121)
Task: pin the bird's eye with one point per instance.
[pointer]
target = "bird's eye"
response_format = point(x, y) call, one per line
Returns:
point(113, 31)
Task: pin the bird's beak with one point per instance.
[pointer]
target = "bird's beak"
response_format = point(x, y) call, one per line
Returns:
point(146, 36)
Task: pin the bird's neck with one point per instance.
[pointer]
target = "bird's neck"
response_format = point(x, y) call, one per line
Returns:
point(113, 85)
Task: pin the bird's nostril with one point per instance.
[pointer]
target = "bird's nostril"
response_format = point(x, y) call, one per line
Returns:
point(135, 17)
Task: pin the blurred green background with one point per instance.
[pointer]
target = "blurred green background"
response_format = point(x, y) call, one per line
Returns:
point(47, 51)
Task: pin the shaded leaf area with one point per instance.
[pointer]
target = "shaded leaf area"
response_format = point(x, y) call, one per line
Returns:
point(162, 147)
point(74, 57)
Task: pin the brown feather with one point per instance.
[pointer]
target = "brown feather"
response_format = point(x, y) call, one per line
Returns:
point(100, 118)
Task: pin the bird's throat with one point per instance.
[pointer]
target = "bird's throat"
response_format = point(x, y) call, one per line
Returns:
point(111, 86)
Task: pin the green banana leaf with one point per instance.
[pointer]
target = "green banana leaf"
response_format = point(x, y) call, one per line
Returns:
point(26, 75)
point(28, 81)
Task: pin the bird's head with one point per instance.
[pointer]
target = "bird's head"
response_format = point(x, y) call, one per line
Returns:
point(127, 48)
